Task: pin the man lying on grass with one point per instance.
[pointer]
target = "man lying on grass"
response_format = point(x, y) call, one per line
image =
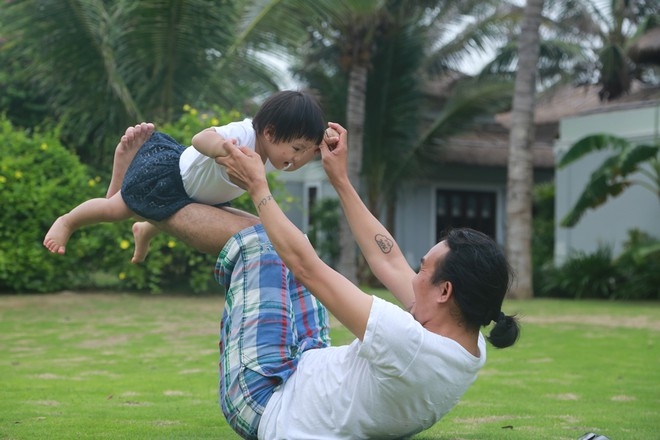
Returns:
point(279, 376)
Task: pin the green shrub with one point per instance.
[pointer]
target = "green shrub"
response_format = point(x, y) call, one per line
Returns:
point(581, 276)
point(39, 180)
point(543, 227)
point(634, 275)
point(639, 267)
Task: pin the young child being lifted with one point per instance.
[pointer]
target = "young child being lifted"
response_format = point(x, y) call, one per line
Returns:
point(164, 176)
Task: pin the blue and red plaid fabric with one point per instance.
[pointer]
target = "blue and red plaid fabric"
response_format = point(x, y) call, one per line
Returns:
point(269, 320)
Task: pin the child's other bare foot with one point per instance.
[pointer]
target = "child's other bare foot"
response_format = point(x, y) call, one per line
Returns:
point(143, 232)
point(58, 235)
point(126, 149)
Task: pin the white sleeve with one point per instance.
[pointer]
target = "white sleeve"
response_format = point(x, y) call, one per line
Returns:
point(392, 339)
point(242, 131)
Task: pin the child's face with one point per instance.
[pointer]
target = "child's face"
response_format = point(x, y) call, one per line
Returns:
point(290, 156)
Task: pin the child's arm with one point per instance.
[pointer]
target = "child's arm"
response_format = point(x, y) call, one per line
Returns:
point(210, 143)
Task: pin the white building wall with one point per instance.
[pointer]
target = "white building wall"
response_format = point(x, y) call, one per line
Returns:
point(415, 228)
point(636, 207)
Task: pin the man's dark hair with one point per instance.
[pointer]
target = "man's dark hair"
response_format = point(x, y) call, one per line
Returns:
point(481, 276)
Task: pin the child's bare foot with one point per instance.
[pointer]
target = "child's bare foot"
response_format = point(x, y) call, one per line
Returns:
point(126, 149)
point(143, 232)
point(58, 235)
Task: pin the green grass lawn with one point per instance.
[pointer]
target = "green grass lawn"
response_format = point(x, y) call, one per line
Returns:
point(99, 366)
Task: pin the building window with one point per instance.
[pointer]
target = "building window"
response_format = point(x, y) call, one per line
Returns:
point(472, 209)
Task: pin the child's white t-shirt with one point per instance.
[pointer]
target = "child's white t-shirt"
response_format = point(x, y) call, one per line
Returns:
point(399, 381)
point(207, 182)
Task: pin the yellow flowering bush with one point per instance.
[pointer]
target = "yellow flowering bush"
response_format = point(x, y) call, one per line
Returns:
point(39, 181)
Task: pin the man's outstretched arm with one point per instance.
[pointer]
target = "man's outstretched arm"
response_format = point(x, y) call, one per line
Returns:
point(376, 243)
point(343, 299)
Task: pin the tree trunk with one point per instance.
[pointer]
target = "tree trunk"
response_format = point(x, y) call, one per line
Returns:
point(520, 168)
point(357, 88)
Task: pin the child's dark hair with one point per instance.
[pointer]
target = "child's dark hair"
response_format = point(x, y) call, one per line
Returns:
point(291, 115)
point(481, 276)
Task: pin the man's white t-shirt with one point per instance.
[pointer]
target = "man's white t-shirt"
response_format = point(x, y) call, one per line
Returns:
point(400, 380)
point(206, 181)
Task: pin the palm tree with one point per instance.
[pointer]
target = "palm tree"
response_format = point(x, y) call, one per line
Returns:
point(520, 167)
point(407, 140)
point(358, 35)
point(571, 29)
point(587, 42)
point(613, 27)
point(411, 47)
point(104, 65)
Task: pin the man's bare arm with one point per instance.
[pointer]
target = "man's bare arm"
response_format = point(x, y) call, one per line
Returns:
point(376, 243)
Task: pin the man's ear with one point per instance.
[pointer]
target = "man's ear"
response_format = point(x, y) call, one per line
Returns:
point(445, 291)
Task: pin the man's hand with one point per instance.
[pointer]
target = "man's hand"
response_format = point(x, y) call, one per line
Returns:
point(335, 157)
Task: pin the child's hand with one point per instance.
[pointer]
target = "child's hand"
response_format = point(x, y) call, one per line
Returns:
point(330, 138)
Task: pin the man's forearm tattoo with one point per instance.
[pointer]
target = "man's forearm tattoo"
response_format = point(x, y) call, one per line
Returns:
point(263, 202)
point(384, 243)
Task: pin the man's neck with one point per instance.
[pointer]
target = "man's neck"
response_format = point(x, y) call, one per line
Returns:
point(449, 328)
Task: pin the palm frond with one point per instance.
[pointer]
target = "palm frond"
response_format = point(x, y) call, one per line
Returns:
point(474, 38)
point(615, 72)
point(470, 99)
point(632, 158)
point(612, 176)
point(591, 143)
point(580, 17)
point(105, 65)
point(646, 251)
point(602, 185)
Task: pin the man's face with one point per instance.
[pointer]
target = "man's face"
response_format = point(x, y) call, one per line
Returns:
point(425, 291)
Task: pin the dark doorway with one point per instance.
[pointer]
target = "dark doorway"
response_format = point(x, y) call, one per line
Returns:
point(472, 209)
